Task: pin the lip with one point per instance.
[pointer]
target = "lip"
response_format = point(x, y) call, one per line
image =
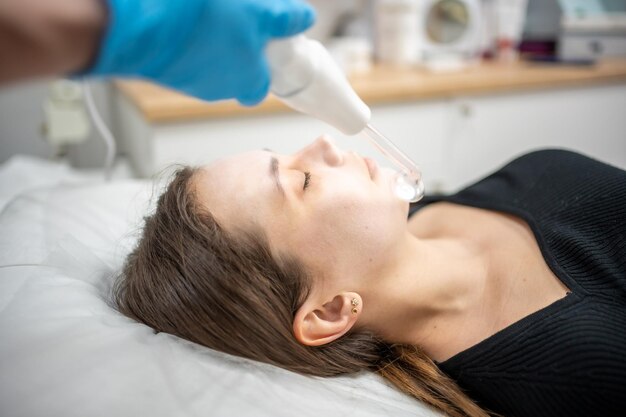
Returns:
point(372, 166)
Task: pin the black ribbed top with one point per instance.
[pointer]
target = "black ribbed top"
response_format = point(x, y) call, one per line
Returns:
point(569, 358)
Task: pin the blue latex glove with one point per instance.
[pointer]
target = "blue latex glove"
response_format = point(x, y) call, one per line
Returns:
point(211, 49)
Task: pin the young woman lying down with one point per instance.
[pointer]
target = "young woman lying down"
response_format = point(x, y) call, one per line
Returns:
point(508, 297)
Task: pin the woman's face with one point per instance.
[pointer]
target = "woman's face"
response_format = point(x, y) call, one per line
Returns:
point(331, 209)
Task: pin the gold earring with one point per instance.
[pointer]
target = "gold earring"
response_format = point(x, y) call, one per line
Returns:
point(355, 303)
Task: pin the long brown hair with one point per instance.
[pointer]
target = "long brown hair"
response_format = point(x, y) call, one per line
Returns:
point(191, 278)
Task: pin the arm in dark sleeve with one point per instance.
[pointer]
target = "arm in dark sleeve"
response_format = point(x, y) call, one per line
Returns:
point(46, 38)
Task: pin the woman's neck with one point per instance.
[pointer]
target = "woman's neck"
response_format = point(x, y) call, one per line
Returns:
point(432, 284)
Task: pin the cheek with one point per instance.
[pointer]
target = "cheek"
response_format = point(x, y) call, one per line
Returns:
point(366, 226)
point(342, 223)
point(369, 207)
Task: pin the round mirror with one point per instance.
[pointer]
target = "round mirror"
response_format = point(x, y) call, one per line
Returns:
point(447, 21)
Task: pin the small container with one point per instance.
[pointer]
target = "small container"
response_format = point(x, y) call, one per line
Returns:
point(396, 31)
point(511, 16)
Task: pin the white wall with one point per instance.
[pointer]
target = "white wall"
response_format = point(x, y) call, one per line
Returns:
point(21, 118)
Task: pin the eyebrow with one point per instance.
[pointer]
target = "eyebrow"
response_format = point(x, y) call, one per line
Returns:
point(274, 173)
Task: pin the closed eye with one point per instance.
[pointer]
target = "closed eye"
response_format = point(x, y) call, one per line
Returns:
point(307, 180)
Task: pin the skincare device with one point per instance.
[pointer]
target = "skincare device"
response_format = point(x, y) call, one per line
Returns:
point(305, 77)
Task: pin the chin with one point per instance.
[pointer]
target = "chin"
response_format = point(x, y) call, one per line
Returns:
point(404, 206)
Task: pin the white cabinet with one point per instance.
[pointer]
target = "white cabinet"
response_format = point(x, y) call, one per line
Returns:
point(455, 141)
point(482, 133)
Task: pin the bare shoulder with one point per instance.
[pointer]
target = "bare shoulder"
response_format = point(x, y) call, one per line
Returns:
point(485, 227)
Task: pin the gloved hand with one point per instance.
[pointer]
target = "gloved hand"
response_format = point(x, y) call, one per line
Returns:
point(211, 49)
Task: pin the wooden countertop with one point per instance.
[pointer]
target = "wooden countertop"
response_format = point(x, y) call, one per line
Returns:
point(386, 85)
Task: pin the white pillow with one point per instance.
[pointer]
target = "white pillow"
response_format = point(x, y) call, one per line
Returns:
point(65, 352)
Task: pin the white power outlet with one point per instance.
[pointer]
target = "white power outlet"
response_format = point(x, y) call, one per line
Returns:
point(66, 119)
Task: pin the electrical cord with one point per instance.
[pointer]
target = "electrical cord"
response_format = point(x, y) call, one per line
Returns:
point(103, 130)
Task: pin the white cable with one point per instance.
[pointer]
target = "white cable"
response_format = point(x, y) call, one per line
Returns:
point(103, 130)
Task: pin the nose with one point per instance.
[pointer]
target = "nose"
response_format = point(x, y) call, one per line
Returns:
point(323, 149)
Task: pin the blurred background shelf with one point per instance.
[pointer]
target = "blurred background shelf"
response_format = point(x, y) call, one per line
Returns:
point(388, 85)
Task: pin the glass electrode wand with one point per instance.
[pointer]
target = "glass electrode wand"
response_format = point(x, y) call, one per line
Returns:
point(307, 79)
point(408, 182)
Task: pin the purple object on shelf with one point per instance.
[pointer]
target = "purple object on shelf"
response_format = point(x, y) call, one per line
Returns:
point(538, 47)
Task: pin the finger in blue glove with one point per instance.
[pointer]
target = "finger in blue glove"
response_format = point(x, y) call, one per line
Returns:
point(210, 49)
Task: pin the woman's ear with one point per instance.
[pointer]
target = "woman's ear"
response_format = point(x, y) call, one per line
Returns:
point(316, 324)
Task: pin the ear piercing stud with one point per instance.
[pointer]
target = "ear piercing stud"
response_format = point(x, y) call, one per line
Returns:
point(355, 303)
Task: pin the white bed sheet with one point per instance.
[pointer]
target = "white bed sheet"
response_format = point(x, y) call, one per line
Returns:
point(65, 352)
